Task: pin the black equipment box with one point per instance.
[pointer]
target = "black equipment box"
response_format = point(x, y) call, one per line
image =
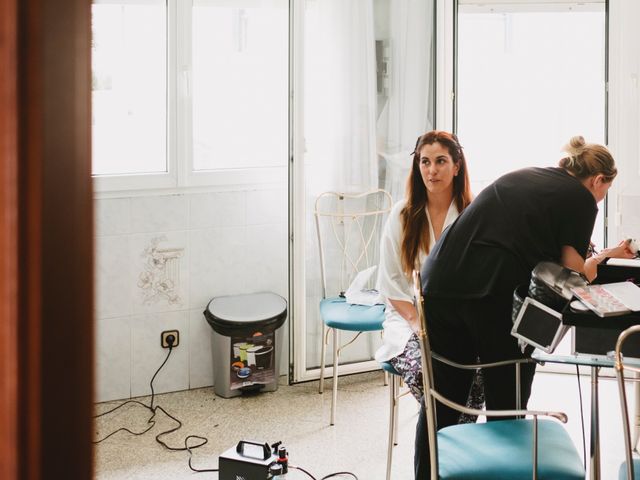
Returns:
point(617, 273)
point(246, 461)
point(596, 335)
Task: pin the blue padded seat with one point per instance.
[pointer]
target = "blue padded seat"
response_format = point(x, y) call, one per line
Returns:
point(387, 367)
point(337, 313)
point(503, 449)
point(622, 473)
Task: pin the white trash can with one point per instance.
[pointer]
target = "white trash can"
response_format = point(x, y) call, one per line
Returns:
point(246, 342)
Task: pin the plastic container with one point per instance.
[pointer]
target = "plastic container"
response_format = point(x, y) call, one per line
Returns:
point(246, 342)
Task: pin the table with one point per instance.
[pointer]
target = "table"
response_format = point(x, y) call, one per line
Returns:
point(595, 362)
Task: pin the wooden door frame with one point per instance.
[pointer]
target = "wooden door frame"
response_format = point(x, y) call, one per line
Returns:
point(46, 240)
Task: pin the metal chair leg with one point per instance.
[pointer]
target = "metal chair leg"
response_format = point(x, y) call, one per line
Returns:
point(636, 415)
point(396, 407)
point(323, 353)
point(393, 411)
point(334, 398)
point(386, 378)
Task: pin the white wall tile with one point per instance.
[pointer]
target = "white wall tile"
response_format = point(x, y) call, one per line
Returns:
point(113, 277)
point(151, 268)
point(200, 359)
point(113, 216)
point(267, 259)
point(220, 209)
point(217, 266)
point(113, 359)
point(147, 355)
point(267, 206)
point(159, 213)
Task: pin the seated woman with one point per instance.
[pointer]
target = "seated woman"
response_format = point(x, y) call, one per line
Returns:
point(524, 217)
point(437, 191)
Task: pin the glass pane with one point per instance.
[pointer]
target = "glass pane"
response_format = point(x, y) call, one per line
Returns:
point(129, 87)
point(240, 84)
point(522, 93)
point(367, 96)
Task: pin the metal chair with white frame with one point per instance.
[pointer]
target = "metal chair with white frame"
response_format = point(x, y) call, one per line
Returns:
point(517, 449)
point(630, 469)
point(348, 228)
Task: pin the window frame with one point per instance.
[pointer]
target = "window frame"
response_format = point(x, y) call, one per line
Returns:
point(180, 173)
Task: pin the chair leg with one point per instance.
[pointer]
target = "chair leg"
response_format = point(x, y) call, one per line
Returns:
point(392, 423)
point(386, 378)
point(334, 398)
point(323, 350)
point(396, 407)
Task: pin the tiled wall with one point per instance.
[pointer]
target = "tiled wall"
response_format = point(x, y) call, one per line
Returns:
point(159, 260)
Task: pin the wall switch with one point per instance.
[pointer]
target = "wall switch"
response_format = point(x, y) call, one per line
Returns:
point(166, 334)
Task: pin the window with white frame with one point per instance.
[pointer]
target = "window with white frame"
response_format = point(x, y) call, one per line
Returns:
point(189, 92)
point(531, 74)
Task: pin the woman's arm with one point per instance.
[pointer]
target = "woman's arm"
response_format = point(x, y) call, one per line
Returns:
point(589, 267)
point(408, 311)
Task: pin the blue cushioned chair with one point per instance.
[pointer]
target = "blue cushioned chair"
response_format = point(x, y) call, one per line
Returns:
point(630, 469)
point(524, 448)
point(394, 393)
point(348, 228)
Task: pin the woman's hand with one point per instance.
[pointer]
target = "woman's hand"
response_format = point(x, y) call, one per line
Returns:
point(622, 250)
point(408, 311)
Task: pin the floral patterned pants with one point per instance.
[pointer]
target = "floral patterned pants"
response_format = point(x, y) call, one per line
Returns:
point(409, 365)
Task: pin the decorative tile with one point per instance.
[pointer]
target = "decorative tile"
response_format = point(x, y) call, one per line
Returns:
point(113, 359)
point(113, 277)
point(220, 209)
point(161, 269)
point(147, 355)
point(200, 358)
point(112, 216)
point(159, 213)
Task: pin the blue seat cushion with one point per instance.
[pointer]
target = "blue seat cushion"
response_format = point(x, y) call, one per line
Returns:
point(622, 473)
point(387, 367)
point(337, 313)
point(504, 450)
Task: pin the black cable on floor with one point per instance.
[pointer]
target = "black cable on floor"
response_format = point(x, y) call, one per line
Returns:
point(331, 475)
point(154, 410)
point(188, 448)
point(584, 441)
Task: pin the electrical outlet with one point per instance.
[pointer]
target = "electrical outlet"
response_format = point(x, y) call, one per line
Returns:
point(165, 334)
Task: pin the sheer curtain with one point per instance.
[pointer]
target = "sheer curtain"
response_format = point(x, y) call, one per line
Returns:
point(339, 126)
point(339, 99)
point(408, 110)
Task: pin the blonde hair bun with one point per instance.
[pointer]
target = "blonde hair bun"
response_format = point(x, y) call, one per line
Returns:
point(587, 159)
point(576, 146)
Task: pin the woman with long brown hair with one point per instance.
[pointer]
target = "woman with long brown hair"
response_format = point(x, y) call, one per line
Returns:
point(437, 192)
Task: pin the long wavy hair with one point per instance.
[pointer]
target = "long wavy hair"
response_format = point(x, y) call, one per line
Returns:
point(415, 225)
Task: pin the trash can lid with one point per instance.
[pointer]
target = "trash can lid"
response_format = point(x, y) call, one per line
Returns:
point(253, 307)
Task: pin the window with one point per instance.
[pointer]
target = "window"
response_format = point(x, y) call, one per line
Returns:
point(528, 92)
point(530, 76)
point(129, 86)
point(189, 93)
point(240, 74)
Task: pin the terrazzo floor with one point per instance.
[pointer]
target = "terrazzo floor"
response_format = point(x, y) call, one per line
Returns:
point(299, 417)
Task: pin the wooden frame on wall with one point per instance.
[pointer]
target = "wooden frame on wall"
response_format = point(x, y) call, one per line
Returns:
point(46, 240)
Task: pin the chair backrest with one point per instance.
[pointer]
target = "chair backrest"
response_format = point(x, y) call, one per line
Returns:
point(427, 372)
point(348, 227)
point(620, 375)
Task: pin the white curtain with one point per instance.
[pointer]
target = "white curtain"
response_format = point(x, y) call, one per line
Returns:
point(339, 96)
point(339, 104)
point(408, 110)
